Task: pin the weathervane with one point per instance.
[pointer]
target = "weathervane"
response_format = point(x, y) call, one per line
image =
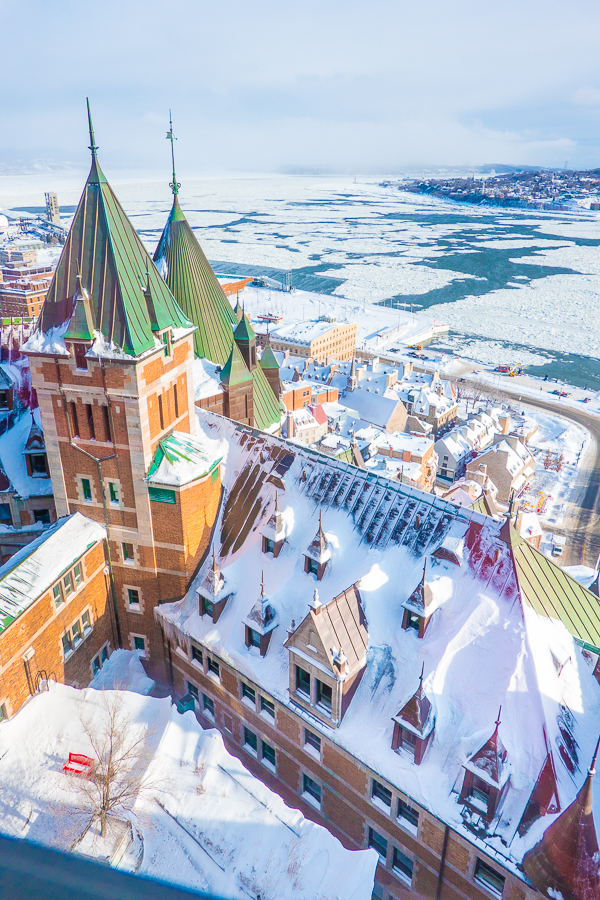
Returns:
point(174, 185)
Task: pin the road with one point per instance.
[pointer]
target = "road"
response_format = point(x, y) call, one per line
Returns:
point(583, 528)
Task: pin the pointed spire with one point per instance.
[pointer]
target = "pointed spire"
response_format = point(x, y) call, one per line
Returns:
point(262, 584)
point(491, 758)
point(174, 185)
point(565, 859)
point(96, 175)
point(93, 146)
point(416, 714)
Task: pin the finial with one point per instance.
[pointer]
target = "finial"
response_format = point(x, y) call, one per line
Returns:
point(215, 569)
point(315, 603)
point(93, 145)
point(498, 719)
point(592, 768)
point(174, 185)
point(262, 584)
point(422, 673)
point(276, 503)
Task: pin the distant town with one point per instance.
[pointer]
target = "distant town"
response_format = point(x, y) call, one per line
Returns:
point(536, 188)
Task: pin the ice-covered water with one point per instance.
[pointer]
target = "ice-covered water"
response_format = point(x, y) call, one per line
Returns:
point(516, 286)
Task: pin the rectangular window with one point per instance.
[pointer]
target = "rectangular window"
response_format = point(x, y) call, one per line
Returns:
point(408, 816)
point(57, 593)
point(248, 694)
point(213, 666)
point(196, 654)
point(324, 696)
point(253, 638)
point(402, 865)
point(382, 794)
point(69, 583)
point(208, 705)
point(160, 412)
point(193, 690)
point(267, 707)
point(38, 464)
point(268, 545)
point(312, 566)
point(86, 622)
point(41, 515)
point(208, 607)
point(268, 754)
point(311, 789)
point(78, 574)
point(107, 428)
point(176, 401)
point(480, 794)
point(74, 422)
point(378, 842)
point(104, 653)
point(162, 495)
point(313, 742)
point(113, 491)
point(86, 488)
point(250, 741)
point(139, 644)
point(77, 634)
point(128, 555)
point(489, 878)
point(80, 359)
point(133, 596)
point(302, 682)
point(90, 420)
point(67, 644)
point(3, 713)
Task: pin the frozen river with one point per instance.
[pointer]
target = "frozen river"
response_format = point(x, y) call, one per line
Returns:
point(515, 286)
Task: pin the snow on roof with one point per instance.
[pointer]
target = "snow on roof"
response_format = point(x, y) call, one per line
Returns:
point(301, 332)
point(214, 827)
point(123, 670)
point(372, 407)
point(181, 458)
point(207, 380)
point(32, 571)
point(399, 442)
point(12, 459)
point(477, 647)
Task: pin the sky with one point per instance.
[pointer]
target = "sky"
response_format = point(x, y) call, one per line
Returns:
point(349, 86)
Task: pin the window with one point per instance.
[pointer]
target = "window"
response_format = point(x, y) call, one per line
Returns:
point(193, 690)
point(57, 593)
point(128, 555)
point(480, 794)
point(208, 607)
point(196, 654)
point(312, 742)
point(3, 399)
point(74, 422)
point(312, 566)
point(162, 495)
point(268, 545)
point(248, 694)
point(78, 574)
point(267, 707)
point(489, 878)
point(139, 643)
point(3, 713)
point(5, 514)
point(378, 842)
point(382, 794)
point(408, 740)
point(113, 491)
point(69, 583)
point(107, 428)
point(176, 401)
point(160, 412)
point(302, 682)
point(268, 754)
point(311, 789)
point(133, 597)
point(408, 816)
point(38, 465)
point(250, 741)
point(402, 865)
point(86, 489)
point(90, 420)
point(253, 638)
point(413, 621)
point(99, 659)
point(80, 360)
point(213, 667)
point(67, 644)
point(77, 634)
point(324, 696)
point(86, 622)
point(208, 705)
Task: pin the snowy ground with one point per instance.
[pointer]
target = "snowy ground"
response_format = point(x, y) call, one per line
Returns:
point(204, 821)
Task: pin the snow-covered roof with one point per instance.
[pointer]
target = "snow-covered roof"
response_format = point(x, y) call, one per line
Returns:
point(371, 407)
point(301, 332)
point(207, 379)
point(32, 571)
point(206, 823)
point(497, 621)
point(181, 458)
point(12, 459)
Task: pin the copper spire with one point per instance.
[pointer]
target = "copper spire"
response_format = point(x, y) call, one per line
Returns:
point(93, 146)
point(565, 859)
point(174, 185)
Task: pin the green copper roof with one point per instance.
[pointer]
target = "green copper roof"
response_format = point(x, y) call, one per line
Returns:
point(103, 247)
point(244, 331)
point(235, 370)
point(78, 326)
point(188, 274)
point(552, 593)
point(268, 360)
point(267, 408)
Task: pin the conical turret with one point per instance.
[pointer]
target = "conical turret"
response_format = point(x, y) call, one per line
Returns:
point(565, 861)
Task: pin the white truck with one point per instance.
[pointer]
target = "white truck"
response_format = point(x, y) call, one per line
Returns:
point(558, 545)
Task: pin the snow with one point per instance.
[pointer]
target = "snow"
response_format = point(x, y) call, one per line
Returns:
point(183, 458)
point(476, 653)
point(207, 379)
point(123, 670)
point(30, 573)
point(205, 822)
point(12, 445)
point(51, 341)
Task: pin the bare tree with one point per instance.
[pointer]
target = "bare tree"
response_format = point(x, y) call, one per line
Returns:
point(121, 752)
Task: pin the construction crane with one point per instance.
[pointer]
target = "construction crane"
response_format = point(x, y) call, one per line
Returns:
point(516, 370)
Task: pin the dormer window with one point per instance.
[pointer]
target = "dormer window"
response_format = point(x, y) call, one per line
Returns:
point(38, 465)
point(311, 566)
point(253, 638)
point(208, 607)
point(324, 696)
point(260, 623)
point(273, 534)
point(420, 606)
point(268, 545)
point(486, 779)
point(412, 620)
point(79, 351)
point(166, 337)
point(212, 593)
point(318, 554)
point(414, 725)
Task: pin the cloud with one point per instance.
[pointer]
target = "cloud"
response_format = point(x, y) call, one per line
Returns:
point(587, 96)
